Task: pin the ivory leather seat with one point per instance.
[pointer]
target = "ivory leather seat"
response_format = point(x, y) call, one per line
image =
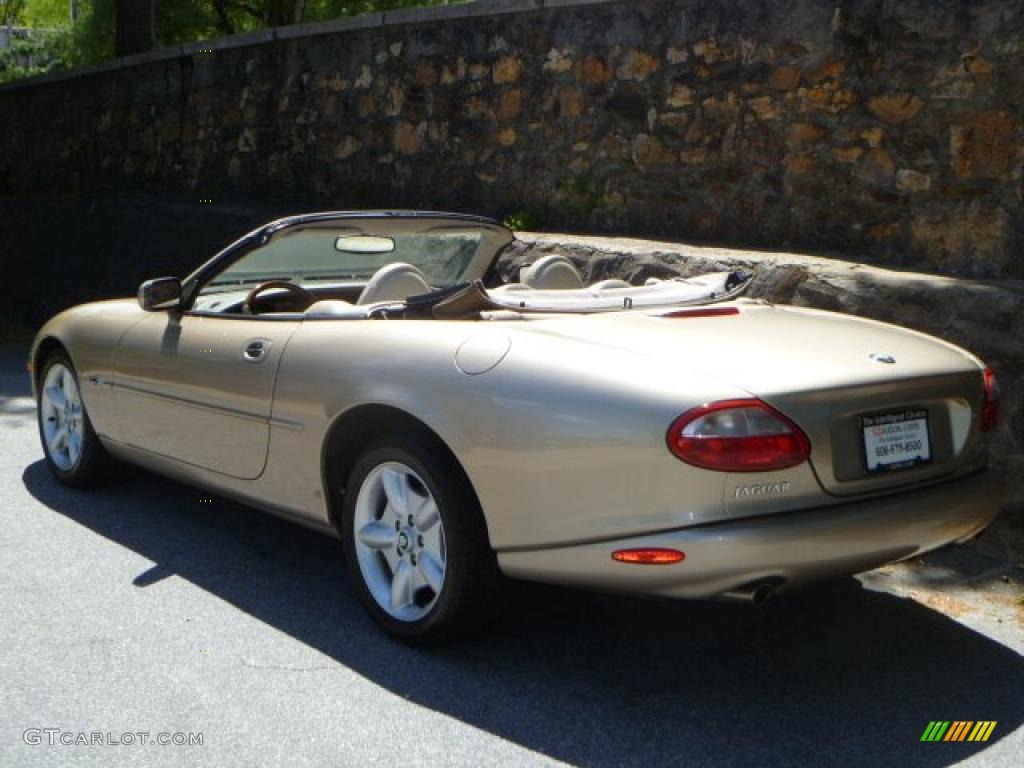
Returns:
point(394, 282)
point(551, 273)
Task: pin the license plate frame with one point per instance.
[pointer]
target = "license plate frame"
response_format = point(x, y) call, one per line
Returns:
point(895, 440)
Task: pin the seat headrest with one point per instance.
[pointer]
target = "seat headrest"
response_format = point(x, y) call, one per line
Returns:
point(552, 272)
point(394, 282)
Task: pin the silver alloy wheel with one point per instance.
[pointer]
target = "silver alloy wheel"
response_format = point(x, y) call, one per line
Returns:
point(399, 541)
point(60, 407)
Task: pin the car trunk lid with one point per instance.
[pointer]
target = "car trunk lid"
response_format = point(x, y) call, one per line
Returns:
point(835, 375)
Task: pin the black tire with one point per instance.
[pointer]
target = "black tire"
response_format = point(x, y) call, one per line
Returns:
point(94, 463)
point(472, 582)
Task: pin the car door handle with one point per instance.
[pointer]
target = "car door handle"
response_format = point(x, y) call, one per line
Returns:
point(255, 350)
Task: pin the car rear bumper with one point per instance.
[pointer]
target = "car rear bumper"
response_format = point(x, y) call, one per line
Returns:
point(733, 557)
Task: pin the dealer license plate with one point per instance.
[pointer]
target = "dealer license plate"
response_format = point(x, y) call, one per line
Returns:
point(897, 440)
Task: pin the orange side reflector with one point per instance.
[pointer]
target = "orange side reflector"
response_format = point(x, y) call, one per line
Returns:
point(649, 556)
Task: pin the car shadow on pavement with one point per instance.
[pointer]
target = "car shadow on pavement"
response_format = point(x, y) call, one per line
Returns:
point(839, 675)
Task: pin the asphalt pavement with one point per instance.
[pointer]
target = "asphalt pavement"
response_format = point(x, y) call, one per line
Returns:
point(147, 607)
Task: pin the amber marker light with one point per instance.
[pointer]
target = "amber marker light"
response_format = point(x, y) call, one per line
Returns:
point(649, 556)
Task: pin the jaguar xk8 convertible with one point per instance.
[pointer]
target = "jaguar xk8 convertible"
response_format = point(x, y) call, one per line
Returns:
point(367, 374)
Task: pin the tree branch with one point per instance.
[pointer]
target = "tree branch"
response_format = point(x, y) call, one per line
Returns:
point(224, 23)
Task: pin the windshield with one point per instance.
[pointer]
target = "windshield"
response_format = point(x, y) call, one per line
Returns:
point(309, 256)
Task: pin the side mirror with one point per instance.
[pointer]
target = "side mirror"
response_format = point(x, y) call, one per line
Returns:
point(159, 294)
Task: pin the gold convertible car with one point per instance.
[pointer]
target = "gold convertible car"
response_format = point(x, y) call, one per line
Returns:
point(367, 374)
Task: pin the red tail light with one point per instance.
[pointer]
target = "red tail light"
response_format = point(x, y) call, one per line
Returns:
point(990, 410)
point(649, 556)
point(738, 436)
point(705, 312)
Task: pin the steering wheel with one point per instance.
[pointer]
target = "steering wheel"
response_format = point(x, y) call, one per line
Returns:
point(292, 288)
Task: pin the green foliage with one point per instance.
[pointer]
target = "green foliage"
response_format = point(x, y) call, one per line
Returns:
point(90, 39)
point(43, 50)
point(11, 12)
point(47, 14)
point(57, 41)
point(92, 36)
point(526, 220)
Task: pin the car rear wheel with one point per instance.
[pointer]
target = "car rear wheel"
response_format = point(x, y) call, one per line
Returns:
point(416, 544)
point(72, 449)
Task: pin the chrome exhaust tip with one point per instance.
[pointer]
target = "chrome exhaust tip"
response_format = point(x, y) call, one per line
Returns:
point(756, 592)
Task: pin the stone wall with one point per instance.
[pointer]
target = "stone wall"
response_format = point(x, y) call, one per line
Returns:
point(880, 130)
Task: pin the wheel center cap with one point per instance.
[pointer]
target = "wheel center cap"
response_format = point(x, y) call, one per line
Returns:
point(403, 541)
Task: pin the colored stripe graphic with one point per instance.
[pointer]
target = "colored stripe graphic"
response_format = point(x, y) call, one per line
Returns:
point(982, 730)
point(958, 730)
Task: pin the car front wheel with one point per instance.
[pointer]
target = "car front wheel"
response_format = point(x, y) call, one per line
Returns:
point(416, 544)
point(73, 451)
